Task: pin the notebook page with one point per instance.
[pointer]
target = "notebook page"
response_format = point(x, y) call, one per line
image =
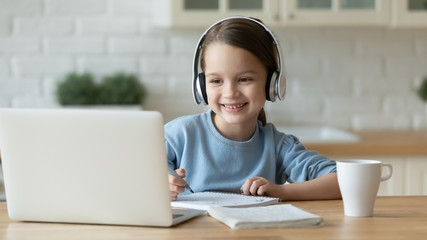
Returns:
point(203, 200)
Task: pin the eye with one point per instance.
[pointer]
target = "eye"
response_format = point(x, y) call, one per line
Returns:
point(215, 81)
point(244, 79)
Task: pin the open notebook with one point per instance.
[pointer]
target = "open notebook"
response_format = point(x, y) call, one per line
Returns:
point(203, 200)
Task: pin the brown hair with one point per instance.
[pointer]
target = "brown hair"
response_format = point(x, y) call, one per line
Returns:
point(246, 34)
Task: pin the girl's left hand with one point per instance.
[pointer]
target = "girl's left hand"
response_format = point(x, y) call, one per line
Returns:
point(259, 186)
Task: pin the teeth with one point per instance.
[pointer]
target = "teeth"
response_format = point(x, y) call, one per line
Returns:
point(234, 106)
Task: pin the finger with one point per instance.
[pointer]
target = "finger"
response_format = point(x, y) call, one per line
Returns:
point(175, 188)
point(173, 197)
point(246, 186)
point(261, 190)
point(256, 184)
point(181, 172)
point(177, 181)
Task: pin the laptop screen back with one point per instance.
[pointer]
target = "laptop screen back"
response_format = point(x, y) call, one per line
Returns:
point(85, 166)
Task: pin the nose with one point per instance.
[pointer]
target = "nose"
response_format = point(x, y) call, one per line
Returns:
point(230, 90)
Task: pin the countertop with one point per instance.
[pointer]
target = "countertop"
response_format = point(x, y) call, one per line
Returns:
point(377, 143)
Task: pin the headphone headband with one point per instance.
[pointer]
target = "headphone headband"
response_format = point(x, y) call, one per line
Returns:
point(276, 88)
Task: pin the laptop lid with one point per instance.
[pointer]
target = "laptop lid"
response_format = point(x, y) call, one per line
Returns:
point(85, 166)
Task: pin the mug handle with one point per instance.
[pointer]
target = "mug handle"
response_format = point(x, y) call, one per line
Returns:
point(390, 172)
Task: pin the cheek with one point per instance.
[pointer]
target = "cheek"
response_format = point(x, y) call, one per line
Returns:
point(258, 92)
point(211, 94)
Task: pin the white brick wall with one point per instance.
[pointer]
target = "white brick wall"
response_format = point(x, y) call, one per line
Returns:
point(19, 45)
point(131, 7)
point(40, 26)
point(107, 25)
point(4, 68)
point(13, 88)
point(75, 7)
point(74, 45)
point(137, 45)
point(356, 78)
point(102, 65)
point(21, 7)
point(5, 25)
point(39, 66)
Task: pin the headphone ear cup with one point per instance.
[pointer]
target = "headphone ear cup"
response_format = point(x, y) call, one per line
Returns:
point(199, 89)
point(282, 88)
point(202, 88)
point(196, 91)
point(274, 87)
point(269, 86)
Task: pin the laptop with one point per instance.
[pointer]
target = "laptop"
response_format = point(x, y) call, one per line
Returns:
point(87, 166)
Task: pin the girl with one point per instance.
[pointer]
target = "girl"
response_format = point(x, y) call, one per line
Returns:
point(231, 148)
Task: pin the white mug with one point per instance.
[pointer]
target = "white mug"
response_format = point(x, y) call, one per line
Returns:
point(359, 181)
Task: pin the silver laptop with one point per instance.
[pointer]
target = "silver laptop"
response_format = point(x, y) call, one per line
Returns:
point(87, 166)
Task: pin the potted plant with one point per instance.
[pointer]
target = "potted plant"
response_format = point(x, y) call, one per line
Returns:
point(422, 90)
point(77, 89)
point(422, 93)
point(121, 89)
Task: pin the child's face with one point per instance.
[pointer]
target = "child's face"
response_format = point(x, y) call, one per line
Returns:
point(235, 84)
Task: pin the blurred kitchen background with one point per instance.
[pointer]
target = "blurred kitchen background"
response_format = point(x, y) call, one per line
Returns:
point(353, 65)
point(349, 64)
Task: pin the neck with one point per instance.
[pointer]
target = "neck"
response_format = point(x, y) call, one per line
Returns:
point(236, 132)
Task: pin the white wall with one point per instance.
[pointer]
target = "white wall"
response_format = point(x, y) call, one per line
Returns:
point(356, 78)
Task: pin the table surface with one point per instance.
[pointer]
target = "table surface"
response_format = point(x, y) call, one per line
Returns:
point(394, 218)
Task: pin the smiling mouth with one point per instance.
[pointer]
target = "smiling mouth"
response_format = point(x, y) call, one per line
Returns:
point(234, 106)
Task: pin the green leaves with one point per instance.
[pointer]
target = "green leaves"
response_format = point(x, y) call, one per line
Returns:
point(116, 89)
point(77, 89)
point(121, 88)
point(422, 91)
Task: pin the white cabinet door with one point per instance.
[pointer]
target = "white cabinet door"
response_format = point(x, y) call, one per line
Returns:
point(409, 13)
point(416, 176)
point(395, 186)
point(334, 12)
point(203, 13)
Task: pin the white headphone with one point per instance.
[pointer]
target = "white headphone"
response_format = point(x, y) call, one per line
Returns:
point(276, 85)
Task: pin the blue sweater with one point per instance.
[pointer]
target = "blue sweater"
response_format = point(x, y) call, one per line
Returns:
point(215, 163)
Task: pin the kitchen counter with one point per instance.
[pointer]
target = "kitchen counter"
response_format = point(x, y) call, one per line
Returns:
point(377, 143)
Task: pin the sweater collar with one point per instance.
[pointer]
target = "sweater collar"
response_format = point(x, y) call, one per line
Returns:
point(219, 137)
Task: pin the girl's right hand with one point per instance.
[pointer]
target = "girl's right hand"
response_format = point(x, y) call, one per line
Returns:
point(177, 185)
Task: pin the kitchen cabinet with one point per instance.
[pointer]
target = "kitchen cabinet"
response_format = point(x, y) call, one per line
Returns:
point(406, 151)
point(202, 13)
point(283, 13)
point(409, 13)
point(334, 12)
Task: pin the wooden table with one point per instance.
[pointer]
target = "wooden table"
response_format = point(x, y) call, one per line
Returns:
point(394, 218)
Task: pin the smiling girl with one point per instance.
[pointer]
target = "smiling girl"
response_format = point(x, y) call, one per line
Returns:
point(231, 147)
